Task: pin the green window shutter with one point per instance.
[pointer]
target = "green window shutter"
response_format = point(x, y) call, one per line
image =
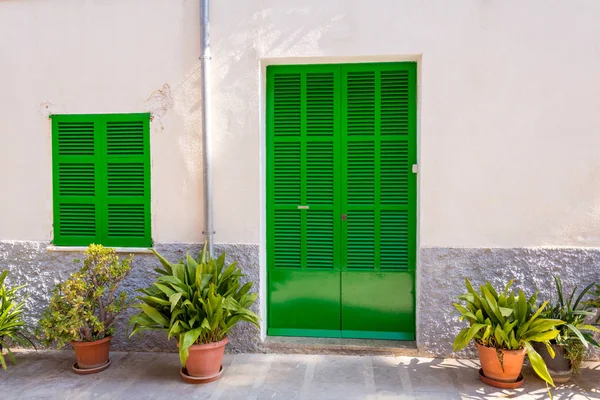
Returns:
point(101, 167)
point(75, 172)
point(303, 155)
point(127, 174)
point(378, 103)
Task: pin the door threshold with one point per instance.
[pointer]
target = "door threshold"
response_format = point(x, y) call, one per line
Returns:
point(311, 345)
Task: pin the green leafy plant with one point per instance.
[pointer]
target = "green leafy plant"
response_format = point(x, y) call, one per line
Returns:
point(506, 321)
point(196, 301)
point(594, 302)
point(12, 326)
point(575, 335)
point(86, 306)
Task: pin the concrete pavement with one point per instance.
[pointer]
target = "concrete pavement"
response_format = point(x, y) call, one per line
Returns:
point(48, 375)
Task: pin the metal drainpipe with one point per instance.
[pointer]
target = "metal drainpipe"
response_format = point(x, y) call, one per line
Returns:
point(206, 146)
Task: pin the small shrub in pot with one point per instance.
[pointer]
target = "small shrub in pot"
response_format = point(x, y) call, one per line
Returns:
point(84, 308)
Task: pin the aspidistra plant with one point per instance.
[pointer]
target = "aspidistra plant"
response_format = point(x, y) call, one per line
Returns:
point(12, 326)
point(196, 301)
point(506, 321)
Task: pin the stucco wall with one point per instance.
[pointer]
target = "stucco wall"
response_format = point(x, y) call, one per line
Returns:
point(507, 106)
point(508, 102)
point(114, 56)
point(508, 128)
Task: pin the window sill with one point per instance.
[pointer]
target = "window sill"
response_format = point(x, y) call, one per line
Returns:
point(129, 250)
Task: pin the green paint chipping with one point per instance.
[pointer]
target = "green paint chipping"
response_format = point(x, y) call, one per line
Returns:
point(341, 200)
point(101, 179)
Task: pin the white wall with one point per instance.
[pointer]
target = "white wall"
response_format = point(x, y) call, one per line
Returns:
point(109, 56)
point(509, 128)
point(509, 103)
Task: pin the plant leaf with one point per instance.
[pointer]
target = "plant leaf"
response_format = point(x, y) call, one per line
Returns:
point(541, 337)
point(538, 364)
point(174, 299)
point(506, 312)
point(578, 334)
point(163, 261)
point(186, 340)
point(154, 314)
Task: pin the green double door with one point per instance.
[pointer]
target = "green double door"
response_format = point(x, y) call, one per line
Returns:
point(341, 200)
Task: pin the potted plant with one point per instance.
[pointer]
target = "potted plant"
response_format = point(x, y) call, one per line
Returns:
point(504, 326)
point(197, 302)
point(574, 336)
point(84, 308)
point(12, 326)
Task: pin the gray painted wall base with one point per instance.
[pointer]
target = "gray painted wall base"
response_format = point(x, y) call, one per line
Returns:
point(31, 264)
point(442, 272)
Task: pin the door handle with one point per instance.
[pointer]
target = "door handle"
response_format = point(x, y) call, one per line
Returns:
point(344, 217)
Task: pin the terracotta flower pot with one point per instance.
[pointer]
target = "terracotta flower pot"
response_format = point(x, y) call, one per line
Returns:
point(559, 367)
point(92, 355)
point(492, 369)
point(205, 360)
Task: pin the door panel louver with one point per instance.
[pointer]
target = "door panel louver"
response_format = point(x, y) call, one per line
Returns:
point(320, 239)
point(75, 138)
point(287, 105)
point(125, 138)
point(77, 220)
point(320, 173)
point(76, 179)
point(320, 104)
point(378, 159)
point(394, 103)
point(393, 242)
point(360, 114)
point(288, 239)
point(394, 173)
point(360, 239)
point(125, 179)
point(303, 109)
point(126, 220)
point(287, 173)
point(360, 175)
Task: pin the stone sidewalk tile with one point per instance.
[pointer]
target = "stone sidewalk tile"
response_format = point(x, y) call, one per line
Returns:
point(147, 376)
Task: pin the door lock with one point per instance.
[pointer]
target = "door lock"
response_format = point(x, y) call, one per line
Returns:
point(344, 217)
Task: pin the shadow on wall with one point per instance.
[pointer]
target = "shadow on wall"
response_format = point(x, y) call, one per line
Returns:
point(236, 49)
point(233, 47)
point(247, 40)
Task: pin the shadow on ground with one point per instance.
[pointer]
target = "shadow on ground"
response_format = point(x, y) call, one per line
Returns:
point(462, 375)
